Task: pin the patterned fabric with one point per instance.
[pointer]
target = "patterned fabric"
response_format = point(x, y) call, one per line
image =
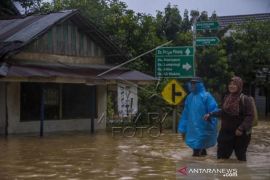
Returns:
point(231, 102)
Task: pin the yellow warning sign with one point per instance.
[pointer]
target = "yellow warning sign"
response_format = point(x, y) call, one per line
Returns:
point(173, 93)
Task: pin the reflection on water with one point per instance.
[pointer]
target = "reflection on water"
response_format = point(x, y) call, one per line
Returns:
point(101, 156)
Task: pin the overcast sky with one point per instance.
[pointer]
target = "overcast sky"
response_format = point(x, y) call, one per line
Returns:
point(222, 7)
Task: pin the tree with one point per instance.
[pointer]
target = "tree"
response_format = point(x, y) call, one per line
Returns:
point(194, 14)
point(214, 67)
point(186, 24)
point(248, 49)
point(30, 6)
point(7, 9)
point(171, 21)
point(203, 16)
point(213, 16)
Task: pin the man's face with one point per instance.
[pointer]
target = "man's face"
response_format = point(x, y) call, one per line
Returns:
point(193, 85)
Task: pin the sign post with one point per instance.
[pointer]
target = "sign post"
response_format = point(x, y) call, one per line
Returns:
point(175, 62)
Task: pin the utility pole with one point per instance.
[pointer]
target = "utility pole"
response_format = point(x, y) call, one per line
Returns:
point(194, 42)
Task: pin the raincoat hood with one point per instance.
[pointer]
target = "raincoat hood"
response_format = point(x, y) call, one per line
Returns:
point(198, 88)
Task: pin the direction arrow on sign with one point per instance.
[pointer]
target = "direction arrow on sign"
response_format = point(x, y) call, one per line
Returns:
point(203, 41)
point(203, 25)
point(173, 93)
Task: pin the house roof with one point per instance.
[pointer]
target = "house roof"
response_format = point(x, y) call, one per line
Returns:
point(25, 30)
point(17, 33)
point(82, 73)
point(224, 21)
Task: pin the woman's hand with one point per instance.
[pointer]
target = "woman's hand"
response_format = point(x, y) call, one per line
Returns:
point(206, 117)
point(238, 132)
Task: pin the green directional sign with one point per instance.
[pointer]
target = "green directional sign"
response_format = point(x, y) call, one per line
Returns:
point(203, 25)
point(205, 41)
point(175, 51)
point(175, 62)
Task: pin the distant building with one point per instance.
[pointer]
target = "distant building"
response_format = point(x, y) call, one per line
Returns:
point(225, 21)
point(50, 63)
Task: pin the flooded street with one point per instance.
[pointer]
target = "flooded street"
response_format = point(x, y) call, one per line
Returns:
point(101, 156)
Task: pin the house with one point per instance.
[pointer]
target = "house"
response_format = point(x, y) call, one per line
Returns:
point(50, 73)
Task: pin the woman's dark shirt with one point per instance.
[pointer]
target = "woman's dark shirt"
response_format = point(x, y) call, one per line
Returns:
point(243, 121)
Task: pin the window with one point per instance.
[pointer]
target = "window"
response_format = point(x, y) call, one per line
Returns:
point(77, 101)
point(30, 101)
point(61, 101)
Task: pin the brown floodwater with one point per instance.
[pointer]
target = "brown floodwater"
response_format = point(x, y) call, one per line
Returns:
point(80, 155)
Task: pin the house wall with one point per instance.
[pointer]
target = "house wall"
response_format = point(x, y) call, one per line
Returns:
point(15, 126)
point(53, 58)
point(63, 43)
point(66, 39)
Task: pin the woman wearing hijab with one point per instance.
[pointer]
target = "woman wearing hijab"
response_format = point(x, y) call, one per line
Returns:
point(236, 122)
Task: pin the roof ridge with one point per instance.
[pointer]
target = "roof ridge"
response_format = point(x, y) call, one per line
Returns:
point(245, 15)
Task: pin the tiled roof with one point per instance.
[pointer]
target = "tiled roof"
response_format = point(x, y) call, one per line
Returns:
point(224, 21)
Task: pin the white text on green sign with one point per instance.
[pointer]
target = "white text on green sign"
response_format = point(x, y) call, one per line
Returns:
point(178, 67)
point(204, 41)
point(203, 25)
point(175, 62)
point(175, 51)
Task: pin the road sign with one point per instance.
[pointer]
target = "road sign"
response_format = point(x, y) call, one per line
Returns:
point(175, 51)
point(203, 25)
point(204, 41)
point(173, 93)
point(175, 62)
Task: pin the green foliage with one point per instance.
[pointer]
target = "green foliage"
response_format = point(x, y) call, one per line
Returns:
point(7, 9)
point(213, 67)
point(249, 49)
point(171, 21)
point(186, 24)
point(152, 93)
point(30, 6)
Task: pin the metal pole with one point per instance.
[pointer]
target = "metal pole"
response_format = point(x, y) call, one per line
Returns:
point(194, 43)
point(93, 109)
point(174, 119)
point(6, 110)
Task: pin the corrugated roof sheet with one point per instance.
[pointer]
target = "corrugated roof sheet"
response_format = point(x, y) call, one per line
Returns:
point(42, 23)
point(130, 76)
point(224, 21)
point(83, 72)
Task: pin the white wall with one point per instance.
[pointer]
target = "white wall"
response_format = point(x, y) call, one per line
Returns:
point(15, 126)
